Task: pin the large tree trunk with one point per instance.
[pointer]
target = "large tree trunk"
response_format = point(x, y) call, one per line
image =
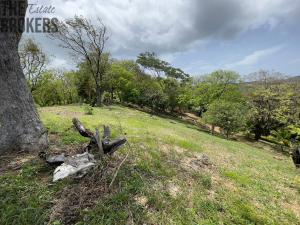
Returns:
point(258, 131)
point(257, 135)
point(99, 94)
point(112, 96)
point(20, 126)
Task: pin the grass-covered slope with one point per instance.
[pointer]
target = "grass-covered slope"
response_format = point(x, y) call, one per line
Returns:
point(167, 178)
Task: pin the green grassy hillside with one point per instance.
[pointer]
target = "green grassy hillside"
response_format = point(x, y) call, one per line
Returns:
point(174, 174)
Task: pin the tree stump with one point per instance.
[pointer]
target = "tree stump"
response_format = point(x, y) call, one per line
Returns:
point(97, 144)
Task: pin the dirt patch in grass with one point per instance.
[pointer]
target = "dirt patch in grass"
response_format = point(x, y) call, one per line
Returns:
point(294, 207)
point(157, 185)
point(141, 200)
point(196, 162)
point(14, 161)
point(54, 139)
point(173, 189)
point(166, 148)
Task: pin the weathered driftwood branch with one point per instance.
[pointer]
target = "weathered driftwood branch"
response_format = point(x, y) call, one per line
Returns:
point(56, 159)
point(99, 146)
point(102, 145)
point(99, 142)
point(106, 133)
point(84, 132)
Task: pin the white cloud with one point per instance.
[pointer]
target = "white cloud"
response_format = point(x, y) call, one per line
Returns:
point(199, 65)
point(168, 26)
point(255, 57)
point(59, 63)
point(295, 61)
point(172, 27)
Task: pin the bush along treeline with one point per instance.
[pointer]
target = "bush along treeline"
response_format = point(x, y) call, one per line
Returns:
point(268, 106)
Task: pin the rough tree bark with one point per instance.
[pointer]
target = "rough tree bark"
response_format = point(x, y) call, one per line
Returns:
point(20, 126)
point(99, 94)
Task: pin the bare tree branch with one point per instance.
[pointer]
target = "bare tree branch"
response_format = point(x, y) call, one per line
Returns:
point(33, 61)
point(86, 41)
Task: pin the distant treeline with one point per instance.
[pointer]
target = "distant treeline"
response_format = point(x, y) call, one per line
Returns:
point(268, 106)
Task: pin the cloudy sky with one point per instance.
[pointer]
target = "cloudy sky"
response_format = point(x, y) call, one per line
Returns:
point(198, 36)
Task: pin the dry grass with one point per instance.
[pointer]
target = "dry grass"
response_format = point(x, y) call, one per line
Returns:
point(84, 193)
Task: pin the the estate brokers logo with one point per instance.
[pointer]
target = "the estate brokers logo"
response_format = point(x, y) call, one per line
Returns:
point(39, 19)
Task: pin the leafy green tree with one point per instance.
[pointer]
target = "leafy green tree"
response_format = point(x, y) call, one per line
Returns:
point(172, 89)
point(270, 109)
point(48, 91)
point(130, 81)
point(69, 89)
point(186, 98)
point(295, 102)
point(85, 85)
point(91, 87)
point(229, 116)
point(131, 66)
point(219, 85)
point(56, 88)
point(151, 62)
point(119, 80)
point(151, 94)
point(175, 73)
